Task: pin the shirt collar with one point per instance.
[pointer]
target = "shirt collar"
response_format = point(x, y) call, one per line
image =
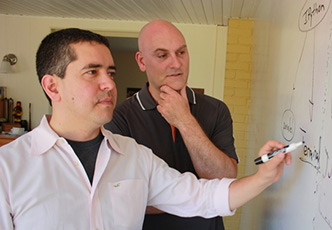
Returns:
point(146, 101)
point(44, 138)
point(112, 141)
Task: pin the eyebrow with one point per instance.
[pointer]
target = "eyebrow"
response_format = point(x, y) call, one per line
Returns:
point(163, 49)
point(112, 67)
point(98, 66)
point(182, 47)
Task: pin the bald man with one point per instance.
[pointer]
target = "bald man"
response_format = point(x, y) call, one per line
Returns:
point(192, 132)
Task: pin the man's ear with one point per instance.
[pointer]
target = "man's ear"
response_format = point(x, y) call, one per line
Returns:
point(50, 86)
point(140, 61)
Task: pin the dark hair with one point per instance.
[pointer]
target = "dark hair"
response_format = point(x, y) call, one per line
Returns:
point(55, 53)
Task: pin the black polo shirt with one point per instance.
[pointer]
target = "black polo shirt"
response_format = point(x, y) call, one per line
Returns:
point(139, 118)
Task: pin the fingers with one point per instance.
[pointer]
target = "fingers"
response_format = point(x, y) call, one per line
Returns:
point(170, 96)
point(165, 89)
point(278, 160)
point(273, 145)
point(271, 171)
point(274, 161)
point(288, 159)
point(270, 146)
point(173, 106)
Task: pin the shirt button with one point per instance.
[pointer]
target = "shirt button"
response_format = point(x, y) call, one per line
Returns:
point(61, 141)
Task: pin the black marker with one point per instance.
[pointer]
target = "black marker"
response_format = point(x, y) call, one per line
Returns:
point(286, 149)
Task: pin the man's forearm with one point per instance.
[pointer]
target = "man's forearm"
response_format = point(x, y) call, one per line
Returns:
point(209, 161)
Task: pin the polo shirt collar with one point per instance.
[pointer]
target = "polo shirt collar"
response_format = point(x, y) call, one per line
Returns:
point(146, 101)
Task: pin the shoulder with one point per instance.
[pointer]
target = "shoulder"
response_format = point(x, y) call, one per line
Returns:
point(127, 145)
point(203, 100)
point(123, 114)
point(132, 152)
point(17, 150)
point(128, 103)
point(210, 110)
point(21, 140)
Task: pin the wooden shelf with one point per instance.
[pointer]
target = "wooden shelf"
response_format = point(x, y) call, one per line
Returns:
point(5, 139)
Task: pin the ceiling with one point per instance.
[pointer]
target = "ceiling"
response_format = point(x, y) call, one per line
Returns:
point(204, 12)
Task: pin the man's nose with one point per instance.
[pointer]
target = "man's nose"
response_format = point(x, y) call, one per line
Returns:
point(107, 82)
point(175, 62)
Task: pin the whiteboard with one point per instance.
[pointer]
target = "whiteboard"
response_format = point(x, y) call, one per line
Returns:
point(292, 101)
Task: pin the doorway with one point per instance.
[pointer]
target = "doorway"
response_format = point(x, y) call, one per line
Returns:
point(129, 78)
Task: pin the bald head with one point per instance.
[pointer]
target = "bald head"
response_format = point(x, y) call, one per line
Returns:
point(157, 29)
point(163, 55)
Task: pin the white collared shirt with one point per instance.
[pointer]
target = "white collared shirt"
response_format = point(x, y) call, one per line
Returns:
point(43, 185)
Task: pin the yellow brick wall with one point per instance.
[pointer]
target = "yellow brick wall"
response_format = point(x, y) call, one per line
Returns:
point(237, 92)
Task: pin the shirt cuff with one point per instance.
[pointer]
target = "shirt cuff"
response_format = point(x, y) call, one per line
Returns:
point(221, 198)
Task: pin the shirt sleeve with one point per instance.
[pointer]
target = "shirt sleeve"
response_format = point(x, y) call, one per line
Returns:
point(222, 135)
point(221, 198)
point(184, 195)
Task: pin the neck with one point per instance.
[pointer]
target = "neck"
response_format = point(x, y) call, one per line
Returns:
point(75, 130)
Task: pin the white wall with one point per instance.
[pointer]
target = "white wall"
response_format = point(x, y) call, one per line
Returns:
point(22, 35)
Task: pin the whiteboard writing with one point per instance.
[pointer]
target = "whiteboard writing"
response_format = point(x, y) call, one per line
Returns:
point(312, 14)
point(295, 83)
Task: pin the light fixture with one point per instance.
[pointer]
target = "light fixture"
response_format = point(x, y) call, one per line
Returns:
point(7, 62)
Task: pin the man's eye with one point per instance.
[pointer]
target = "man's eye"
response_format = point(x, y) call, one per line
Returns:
point(180, 53)
point(92, 72)
point(111, 74)
point(162, 55)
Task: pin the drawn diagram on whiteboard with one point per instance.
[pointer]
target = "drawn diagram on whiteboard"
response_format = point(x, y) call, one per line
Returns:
point(314, 76)
point(311, 15)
